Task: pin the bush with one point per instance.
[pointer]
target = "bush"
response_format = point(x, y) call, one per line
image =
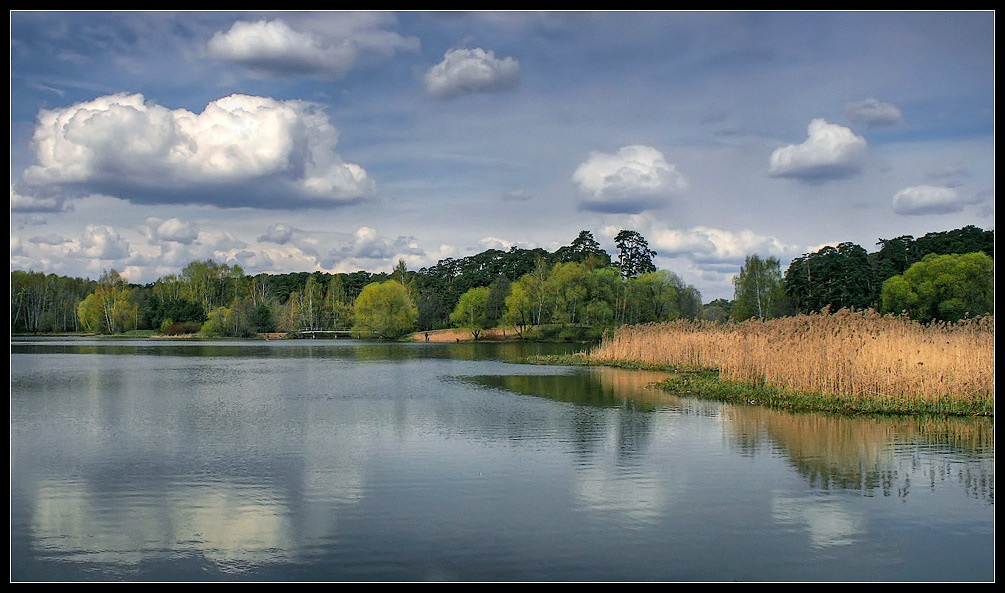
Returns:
point(179, 328)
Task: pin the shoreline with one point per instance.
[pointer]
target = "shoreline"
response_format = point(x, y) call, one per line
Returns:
point(707, 384)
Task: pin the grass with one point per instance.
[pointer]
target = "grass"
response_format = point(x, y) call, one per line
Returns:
point(849, 361)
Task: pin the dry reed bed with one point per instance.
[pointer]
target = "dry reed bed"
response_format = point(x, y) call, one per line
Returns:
point(852, 354)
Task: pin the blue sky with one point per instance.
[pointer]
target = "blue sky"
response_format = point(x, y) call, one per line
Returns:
point(343, 141)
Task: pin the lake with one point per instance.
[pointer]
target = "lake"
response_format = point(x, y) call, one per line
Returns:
point(342, 460)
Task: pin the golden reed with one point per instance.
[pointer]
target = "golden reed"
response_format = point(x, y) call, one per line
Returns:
point(853, 354)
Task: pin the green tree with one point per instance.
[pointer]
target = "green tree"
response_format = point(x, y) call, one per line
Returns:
point(566, 292)
point(432, 312)
point(212, 285)
point(839, 277)
point(471, 311)
point(652, 297)
point(583, 249)
point(385, 310)
point(111, 308)
point(522, 304)
point(336, 308)
point(634, 255)
point(221, 321)
point(495, 308)
point(758, 290)
point(719, 310)
point(45, 302)
point(942, 288)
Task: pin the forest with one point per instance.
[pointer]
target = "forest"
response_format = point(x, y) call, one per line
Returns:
point(574, 292)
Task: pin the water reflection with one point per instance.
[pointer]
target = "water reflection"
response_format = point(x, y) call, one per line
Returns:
point(867, 454)
point(356, 461)
point(225, 523)
point(872, 454)
point(301, 348)
point(828, 522)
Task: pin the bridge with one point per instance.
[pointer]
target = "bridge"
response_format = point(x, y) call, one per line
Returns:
point(321, 333)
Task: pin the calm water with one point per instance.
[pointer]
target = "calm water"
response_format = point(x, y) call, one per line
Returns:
point(341, 460)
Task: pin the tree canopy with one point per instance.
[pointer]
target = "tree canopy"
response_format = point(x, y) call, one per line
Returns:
point(385, 310)
point(759, 290)
point(943, 288)
point(634, 255)
point(577, 284)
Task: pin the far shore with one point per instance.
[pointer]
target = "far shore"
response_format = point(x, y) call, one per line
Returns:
point(496, 334)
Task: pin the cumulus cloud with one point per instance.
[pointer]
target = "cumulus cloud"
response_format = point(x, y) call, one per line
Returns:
point(276, 48)
point(930, 199)
point(240, 151)
point(101, 242)
point(704, 256)
point(495, 243)
point(367, 249)
point(278, 233)
point(874, 113)
point(830, 152)
point(710, 245)
point(20, 202)
point(630, 180)
point(466, 71)
point(175, 231)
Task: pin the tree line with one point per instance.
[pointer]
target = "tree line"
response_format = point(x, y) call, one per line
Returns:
point(941, 276)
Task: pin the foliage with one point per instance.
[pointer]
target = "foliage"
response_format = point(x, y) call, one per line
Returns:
point(45, 302)
point(839, 277)
point(495, 305)
point(522, 304)
point(584, 249)
point(219, 322)
point(471, 311)
point(384, 310)
point(577, 284)
point(719, 310)
point(211, 284)
point(110, 309)
point(634, 255)
point(432, 314)
point(173, 328)
point(943, 288)
point(896, 255)
point(758, 290)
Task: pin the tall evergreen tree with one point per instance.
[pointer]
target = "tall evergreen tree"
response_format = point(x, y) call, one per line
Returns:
point(634, 255)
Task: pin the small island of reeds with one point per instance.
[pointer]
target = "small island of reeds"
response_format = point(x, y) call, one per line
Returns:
point(848, 361)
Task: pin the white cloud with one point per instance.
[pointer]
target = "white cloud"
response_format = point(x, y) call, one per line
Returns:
point(930, 199)
point(240, 151)
point(711, 245)
point(176, 231)
point(831, 151)
point(874, 113)
point(704, 256)
point(466, 71)
point(278, 233)
point(496, 243)
point(274, 47)
point(367, 249)
point(101, 243)
point(630, 180)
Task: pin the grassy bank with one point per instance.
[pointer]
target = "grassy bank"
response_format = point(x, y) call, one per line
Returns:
point(847, 361)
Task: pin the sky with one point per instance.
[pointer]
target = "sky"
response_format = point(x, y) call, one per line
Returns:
point(345, 141)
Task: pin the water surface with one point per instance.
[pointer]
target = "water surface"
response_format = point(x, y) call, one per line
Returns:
point(318, 460)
